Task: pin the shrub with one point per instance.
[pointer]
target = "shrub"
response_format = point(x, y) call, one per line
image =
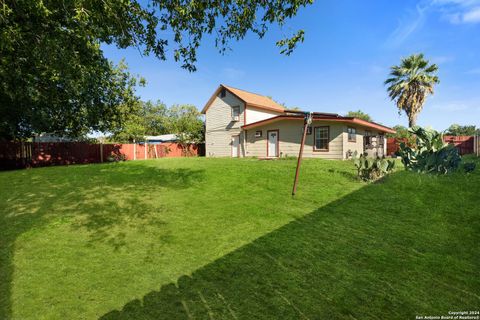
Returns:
point(114, 157)
point(372, 169)
point(469, 167)
point(431, 154)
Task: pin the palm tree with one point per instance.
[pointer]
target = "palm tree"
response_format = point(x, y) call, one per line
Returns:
point(410, 84)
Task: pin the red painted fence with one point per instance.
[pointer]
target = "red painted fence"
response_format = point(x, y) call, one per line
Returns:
point(464, 144)
point(33, 154)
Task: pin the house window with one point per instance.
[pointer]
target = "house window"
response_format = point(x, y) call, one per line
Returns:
point(322, 138)
point(352, 134)
point(258, 134)
point(309, 130)
point(235, 113)
point(381, 140)
point(368, 138)
point(223, 93)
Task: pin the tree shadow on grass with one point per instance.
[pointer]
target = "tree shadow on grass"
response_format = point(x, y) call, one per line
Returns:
point(33, 198)
point(369, 255)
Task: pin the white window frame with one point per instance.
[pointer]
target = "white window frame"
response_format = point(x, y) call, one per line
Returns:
point(327, 147)
point(352, 131)
point(235, 113)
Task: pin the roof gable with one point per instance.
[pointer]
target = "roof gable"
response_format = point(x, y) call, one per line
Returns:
point(249, 98)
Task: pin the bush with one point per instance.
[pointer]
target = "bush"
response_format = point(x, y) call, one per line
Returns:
point(431, 154)
point(469, 167)
point(372, 169)
point(114, 157)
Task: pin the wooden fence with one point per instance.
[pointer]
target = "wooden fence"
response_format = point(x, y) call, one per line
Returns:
point(476, 144)
point(464, 144)
point(38, 154)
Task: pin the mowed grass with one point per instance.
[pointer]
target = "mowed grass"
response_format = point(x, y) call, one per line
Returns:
point(223, 239)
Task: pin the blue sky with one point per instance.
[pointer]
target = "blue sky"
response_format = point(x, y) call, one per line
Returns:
point(348, 49)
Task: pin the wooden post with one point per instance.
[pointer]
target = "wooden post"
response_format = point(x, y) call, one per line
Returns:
point(21, 154)
point(134, 150)
point(306, 122)
point(476, 143)
point(101, 152)
point(145, 149)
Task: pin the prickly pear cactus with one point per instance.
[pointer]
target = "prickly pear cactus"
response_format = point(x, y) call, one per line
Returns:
point(431, 154)
point(372, 169)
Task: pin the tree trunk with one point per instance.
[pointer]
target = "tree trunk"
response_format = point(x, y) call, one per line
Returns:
point(412, 120)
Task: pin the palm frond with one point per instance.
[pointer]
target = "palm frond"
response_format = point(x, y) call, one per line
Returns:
point(411, 82)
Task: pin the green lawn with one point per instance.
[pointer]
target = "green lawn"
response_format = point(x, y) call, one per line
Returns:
point(223, 239)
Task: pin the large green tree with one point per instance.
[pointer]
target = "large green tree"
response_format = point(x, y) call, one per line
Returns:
point(146, 118)
point(186, 122)
point(55, 78)
point(359, 114)
point(410, 83)
point(459, 130)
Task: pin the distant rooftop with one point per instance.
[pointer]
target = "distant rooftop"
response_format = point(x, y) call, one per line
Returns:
point(162, 137)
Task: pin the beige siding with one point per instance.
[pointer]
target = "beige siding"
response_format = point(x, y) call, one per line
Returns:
point(290, 134)
point(256, 114)
point(358, 144)
point(219, 127)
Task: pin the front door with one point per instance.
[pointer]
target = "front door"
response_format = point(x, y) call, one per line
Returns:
point(235, 146)
point(272, 143)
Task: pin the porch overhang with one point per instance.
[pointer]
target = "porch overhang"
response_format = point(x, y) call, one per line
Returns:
point(326, 118)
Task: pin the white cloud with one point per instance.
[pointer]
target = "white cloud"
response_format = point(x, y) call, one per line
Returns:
point(407, 26)
point(472, 16)
point(458, 11)
point(453, 11)
point(464, 3)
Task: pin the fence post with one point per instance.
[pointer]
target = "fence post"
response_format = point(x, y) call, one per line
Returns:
point(22, 154)
point(476, 143)
point(101, 152)
point(134, 150)
point(145, 149)
point(475, 147)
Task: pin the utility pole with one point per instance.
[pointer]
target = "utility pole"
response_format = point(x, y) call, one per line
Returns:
point(306, 122)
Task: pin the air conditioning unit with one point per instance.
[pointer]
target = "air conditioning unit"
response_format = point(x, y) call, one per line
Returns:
point(235, 118)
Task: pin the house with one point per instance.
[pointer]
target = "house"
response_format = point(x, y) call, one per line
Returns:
point(161, 138)
point(51, 138)
point(239, 123)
